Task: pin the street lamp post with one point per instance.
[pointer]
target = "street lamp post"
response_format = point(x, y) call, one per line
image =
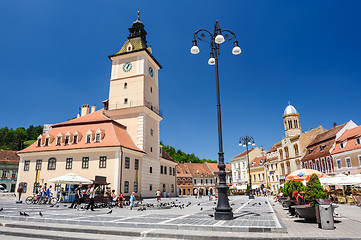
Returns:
point(245, 141)
point(223, 209)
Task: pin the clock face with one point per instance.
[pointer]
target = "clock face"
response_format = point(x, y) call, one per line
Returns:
point(127, 67)
point(151, 71)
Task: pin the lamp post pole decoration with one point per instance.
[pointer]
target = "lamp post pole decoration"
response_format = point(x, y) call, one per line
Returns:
point(223, 210)
point(245, 141)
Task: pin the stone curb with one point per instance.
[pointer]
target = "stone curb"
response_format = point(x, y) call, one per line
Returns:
point(153, 226)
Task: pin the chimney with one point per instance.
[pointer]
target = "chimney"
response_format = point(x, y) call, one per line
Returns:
point(93, 109)
point(85, 110)
point(78, 116)
point(334, 124)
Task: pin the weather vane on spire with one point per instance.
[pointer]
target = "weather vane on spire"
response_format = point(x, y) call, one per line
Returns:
point(138, 13)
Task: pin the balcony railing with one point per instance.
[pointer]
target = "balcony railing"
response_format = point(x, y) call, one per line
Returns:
point(136, 104)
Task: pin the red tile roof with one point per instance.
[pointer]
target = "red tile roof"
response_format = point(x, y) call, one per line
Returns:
point(183, 171)
point(258, 161)
point(199, 169)
point(350, 135)
point(9, 156)
point(166, 156)
point(114, 134)
point(244, 153)
point(273, 148)
point(214, 167)
point(321, 145)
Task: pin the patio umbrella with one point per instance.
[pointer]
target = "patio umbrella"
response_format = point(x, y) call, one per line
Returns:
point(70, 178)
point(303, 174)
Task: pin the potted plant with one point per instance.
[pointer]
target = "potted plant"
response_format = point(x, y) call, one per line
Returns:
point(290, 187)
point(313, 191)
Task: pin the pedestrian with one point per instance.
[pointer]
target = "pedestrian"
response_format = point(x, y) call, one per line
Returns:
point(131, 199)
point(79, 196)
point(113, 196)
point(61, 194)
point(209, 195)
point(20, 191)
point(158, 193)
point(120, 200)
point(196, 192)
point(45, 187)
point(91, 198)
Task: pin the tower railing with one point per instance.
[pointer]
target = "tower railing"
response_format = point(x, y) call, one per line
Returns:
point(136, 104)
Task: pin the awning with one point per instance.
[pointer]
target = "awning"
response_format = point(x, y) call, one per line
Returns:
point(70, 178)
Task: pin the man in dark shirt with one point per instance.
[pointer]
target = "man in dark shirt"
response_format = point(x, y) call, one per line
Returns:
point(79, 195)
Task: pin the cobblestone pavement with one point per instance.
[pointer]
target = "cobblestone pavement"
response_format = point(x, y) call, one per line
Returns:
point(261, 218)
point(256, 214)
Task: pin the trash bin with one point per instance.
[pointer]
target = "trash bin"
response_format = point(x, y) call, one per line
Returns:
point(325, 211)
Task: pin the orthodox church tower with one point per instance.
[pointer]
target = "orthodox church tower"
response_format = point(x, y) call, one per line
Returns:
point(134, 97)
point(291, 120)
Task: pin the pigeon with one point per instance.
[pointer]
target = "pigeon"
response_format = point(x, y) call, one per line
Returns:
point(110, 212)
point(266, 202)
point(199, 204)
point(201, 208)
point(215, 202)
point(1, 209)
point(57, 205)
point(41, 215)
point(51, 205)
point(21, 214)
point(259, 203)
point(211, 215)
point(232, 204)
point(65, 205)
point(26, 215)
point(254, 204)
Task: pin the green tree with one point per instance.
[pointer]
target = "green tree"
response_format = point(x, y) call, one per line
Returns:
point(314, 190)
point(180, 156)
point(291, 186)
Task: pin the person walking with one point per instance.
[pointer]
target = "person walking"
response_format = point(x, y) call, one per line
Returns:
point(120, 200)
point(209, 195)
point(131, 199)
point(61, 194)
point(91, 198)
point(79, 195)
point(158, 193)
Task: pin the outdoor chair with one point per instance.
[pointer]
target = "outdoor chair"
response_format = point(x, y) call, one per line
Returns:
point(350, 200)
point(341, 199)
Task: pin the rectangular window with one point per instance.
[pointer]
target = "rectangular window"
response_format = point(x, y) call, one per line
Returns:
point(206, 180)
point(88, 138)
point(348, 162)
point(26, 165)
point(150, 187)
point(69, 163)
point(51, 164)
point(161, 169)
point(58, 141)
point(136, 164)
point(38, 165)
point(211, 180)
point(135, 187)
point(127, 163)
point(172, 188)
point(4, 174)
point(173, 171)
point(165, 170)
point(338, 163)
point(126, 187)
point(97, 138)
point(170, 170)
point(150, 170)
point(75, 140)
point(358, 141)
point(85, 162)
point(47, 142)
point(102, 162)
point(13, 175)
point(195, 181)
point(201, 180)
point(66, 140)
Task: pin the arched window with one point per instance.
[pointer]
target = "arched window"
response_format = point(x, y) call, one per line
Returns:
point(329, 165)
point(286, 125)
point(282, 169)
point(323, 165)
point(51, 163)
point(289, 123)
point(287, 155)
point(295, 147)
point(281, 154)
point(288, 166)
point(295, 123)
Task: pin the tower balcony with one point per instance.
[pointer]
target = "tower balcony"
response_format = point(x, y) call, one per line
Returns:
point(131, 104)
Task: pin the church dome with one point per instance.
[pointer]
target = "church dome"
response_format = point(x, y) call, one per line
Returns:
point(290, 110)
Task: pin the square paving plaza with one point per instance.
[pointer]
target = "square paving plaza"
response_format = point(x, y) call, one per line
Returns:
point(189, 218)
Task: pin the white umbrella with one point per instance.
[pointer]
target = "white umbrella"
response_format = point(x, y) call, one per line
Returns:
point(341, 179)
point(70, 178)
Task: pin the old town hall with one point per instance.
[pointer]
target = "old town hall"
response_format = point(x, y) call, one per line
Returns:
point(120, 143)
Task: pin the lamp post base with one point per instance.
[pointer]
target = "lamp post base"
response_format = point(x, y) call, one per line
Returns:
point(223, 215)
point(251, 197)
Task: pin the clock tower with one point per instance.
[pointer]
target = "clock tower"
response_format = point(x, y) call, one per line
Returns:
point(134, 94)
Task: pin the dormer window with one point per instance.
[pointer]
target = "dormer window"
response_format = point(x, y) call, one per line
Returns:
point(129, 48)
point(46, 142)
point(88, 138)
point(97, 137)
point(322, 148)
point(343, 145)
point(75, 139)
point(66, 140)
point(39, 142)
point(358, 141)
point(58, 141)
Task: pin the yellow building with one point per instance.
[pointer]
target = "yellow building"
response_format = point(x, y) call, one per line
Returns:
point(258, 173)
point(271, 169)
point(119, 143)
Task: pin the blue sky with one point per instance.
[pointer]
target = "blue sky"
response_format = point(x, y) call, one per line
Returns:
point(53, 59)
